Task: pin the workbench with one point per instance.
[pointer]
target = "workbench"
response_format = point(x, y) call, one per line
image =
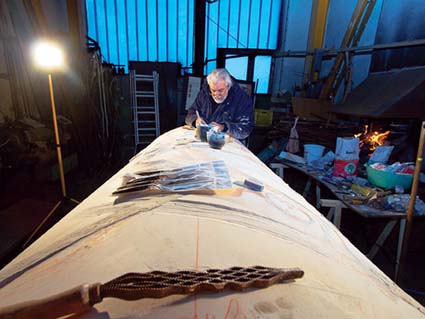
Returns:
point(337, 203)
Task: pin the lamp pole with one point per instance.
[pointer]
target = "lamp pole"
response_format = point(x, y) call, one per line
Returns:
point(49, 57)
point(58, 146)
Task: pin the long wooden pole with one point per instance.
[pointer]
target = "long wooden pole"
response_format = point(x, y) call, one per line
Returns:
point(409, 217)
point(348, 37)
point(58, 147)
point(60, 165)
point(349, 55)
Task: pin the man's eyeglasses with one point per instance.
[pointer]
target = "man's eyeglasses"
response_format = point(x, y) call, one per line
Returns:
point(219, 91)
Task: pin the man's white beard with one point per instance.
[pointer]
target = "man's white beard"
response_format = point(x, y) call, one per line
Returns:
point(219, 100)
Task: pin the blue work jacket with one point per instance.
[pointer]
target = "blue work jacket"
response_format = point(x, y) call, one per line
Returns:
point(236, 112)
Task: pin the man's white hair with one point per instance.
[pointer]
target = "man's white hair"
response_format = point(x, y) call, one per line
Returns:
point(217, 75)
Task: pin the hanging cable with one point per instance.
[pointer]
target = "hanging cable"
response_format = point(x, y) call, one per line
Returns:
point(227, 32)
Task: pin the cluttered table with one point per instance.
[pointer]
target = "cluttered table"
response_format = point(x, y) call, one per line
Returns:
point(380, 195)
point(362, 200)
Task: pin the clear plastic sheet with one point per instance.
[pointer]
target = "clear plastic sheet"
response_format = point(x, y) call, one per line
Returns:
point(400, 203)
point(203, 176)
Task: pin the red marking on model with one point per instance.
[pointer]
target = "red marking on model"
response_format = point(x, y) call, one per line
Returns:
point(195, 305)
point(197, 246)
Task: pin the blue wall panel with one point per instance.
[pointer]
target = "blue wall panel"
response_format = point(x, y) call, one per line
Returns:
point(102, 31)
point(152, 33)
point(253, 27)
point(172, 28)
point(121, 28)
point(142, 31)
point(91, 19)
point(262, 73)
point(133, 50)
point(162, 30)
point(234, 25)
point(243, 27)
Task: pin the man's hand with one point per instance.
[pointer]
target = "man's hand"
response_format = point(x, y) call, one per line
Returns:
point(199, 121)
point(220, 127)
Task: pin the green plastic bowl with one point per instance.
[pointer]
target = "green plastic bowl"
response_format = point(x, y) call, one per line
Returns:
point(388, 180)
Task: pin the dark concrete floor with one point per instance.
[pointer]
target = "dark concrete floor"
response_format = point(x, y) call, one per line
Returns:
point(26, 201)
point(27, 206)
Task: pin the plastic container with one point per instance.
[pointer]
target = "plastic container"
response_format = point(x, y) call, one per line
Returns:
point(388, 180)
point(312, 152)
point(204, 128)
point(217, 140)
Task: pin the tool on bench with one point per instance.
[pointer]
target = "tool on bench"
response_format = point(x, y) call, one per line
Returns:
point(155, 284)
point(364, 194)
point(363, 190)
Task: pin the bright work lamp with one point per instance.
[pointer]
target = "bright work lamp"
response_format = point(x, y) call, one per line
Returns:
point(49, 56)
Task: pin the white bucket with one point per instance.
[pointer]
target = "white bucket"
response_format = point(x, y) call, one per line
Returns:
point(312, 152)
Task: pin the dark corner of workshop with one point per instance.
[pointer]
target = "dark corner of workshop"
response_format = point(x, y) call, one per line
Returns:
point(337, 91)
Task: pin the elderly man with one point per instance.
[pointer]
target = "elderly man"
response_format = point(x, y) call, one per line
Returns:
point(222, 103)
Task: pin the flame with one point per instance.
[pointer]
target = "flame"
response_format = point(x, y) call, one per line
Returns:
point(363, 133)
point(376, 139)
point(372, 139)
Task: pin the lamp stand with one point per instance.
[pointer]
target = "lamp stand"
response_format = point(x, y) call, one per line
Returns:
point(60, 165)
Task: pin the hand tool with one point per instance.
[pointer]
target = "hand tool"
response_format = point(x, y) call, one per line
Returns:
point(155, 284)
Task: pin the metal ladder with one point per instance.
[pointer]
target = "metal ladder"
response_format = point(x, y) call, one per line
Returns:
point(144, 103)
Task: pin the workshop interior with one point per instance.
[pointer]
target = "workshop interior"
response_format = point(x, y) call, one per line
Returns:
point(93, 89)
